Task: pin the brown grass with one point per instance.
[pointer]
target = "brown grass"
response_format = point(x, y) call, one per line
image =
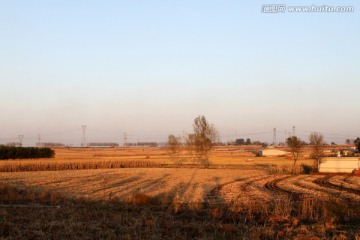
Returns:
point(146, 218)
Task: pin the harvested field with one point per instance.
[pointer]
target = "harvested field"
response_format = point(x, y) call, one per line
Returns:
point(225, 186)
point(253, 197)
point(189, 185)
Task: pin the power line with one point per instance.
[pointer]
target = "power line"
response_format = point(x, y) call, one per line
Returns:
point(63, 132)
point(250, 134)
point(327, 133)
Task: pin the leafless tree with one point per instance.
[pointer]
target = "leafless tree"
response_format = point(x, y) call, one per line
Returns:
point(202, 139)
point(317, 141)
point(295, 145)
point(174, 144)
point(190, 143)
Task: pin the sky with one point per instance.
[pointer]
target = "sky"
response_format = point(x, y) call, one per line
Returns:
point(148, 68)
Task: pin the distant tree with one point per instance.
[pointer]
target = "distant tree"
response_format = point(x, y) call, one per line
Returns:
point(317, 141)
point(295, 145)
point(263, 144)
point(190, 142)
point(173, 144)
point(203, 138)
point(347, 141)
point(357, 143)
point(304, 143)
point(248, 141)
point(240, 141)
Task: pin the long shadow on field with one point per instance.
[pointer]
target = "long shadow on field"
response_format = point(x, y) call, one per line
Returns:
point(118, 184)
point(82, 181)
point(144, 186)
point(157, 183)
point(61, 218)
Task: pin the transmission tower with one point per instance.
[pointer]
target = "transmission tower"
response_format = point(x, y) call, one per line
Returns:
point(293, 131)
point(83, 140)
point(20, 140)
point(125, 140)
point(39, 141)
point(274, 137)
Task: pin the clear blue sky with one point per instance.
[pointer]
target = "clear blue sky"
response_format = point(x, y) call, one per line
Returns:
point(149, 68)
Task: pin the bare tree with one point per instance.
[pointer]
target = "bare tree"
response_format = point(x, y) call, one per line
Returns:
point(203, 138)
point(317, 141)
point(295, 145)
point(174, 144)
point(190, 143)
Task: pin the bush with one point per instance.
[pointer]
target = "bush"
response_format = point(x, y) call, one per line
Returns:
point(306, 169)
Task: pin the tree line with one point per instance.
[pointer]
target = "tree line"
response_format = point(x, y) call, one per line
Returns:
point(9, 152)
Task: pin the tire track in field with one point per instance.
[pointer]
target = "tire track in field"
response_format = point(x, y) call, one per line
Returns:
point(309, 188)
point(274, 187)
point(325, 182)
point(246, 185)
point(213, 197)
point(347, 180)
point(216, 196)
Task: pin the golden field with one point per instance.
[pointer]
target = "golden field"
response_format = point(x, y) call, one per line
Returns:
point(146, 193)
point(151, 157)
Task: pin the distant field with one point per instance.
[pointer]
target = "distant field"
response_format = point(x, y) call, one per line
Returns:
point(89, 158)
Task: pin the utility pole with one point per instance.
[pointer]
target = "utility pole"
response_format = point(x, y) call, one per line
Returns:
point(83, 140)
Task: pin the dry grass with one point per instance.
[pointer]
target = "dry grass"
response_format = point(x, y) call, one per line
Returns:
point(191, 185)
point(146, 218)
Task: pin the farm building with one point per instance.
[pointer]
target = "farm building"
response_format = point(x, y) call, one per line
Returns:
point(339, 164)
point(271, 152)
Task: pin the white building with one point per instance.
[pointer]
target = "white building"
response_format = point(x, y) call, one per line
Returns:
point(339, 164)
point(271, 152)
